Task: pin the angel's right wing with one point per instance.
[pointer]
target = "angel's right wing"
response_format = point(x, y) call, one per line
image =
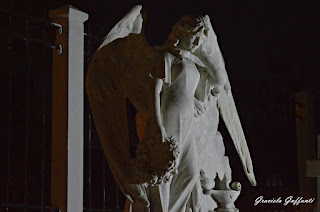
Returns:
point(117, 72)
point(131, 23)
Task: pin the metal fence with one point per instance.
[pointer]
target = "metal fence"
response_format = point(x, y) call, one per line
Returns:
point(26, 40)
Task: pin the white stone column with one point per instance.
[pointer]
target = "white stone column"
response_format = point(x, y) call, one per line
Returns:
point(67, 110)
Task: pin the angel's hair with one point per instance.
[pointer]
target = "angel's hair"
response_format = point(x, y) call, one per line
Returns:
point(187, 25)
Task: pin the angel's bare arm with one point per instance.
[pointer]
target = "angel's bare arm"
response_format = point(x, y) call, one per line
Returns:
point(215, 66)
point(155, 113)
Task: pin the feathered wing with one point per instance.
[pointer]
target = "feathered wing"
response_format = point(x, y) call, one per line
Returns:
point(229, 114)
point(226, 105)
point(119, 70)
point(131, 23)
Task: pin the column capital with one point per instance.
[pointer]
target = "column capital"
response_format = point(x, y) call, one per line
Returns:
point(68, 12)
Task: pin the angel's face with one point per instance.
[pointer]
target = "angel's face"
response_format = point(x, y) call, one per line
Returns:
point(191, 40)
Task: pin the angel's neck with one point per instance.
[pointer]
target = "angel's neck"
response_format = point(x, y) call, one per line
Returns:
point(176, 51)
point(189, 56)
point(182, 54)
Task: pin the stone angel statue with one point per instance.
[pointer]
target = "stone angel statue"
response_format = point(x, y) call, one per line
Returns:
point(163, 84)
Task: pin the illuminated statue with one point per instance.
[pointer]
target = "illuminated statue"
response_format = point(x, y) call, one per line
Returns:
point(170, 85)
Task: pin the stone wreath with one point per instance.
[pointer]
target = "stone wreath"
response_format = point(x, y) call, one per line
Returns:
point(155, 162)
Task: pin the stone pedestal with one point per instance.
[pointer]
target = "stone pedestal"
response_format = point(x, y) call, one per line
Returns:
point(224, 194)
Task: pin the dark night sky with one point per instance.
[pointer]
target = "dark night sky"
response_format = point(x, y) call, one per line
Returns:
point(277, 39)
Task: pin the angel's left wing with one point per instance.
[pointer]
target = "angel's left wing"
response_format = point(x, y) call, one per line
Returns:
point(229, 114)
point(226, 103)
